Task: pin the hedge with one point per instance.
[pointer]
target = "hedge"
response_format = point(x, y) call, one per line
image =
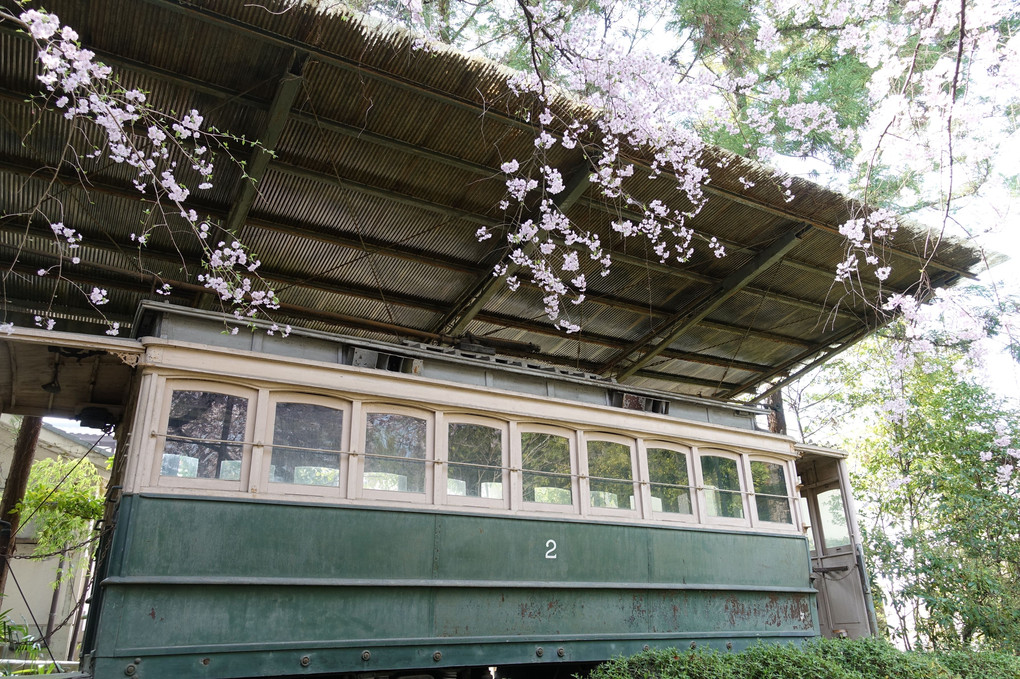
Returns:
point(821, 659)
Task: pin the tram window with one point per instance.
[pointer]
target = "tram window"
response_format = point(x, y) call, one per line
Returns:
point(395, 447)
point(204, 436)
point(770, 492)
point(610, 475)
point(307, 439)
point(670, 485)
point(835, 532)
point(475, 461)
point(722, 487)
point(546, 472)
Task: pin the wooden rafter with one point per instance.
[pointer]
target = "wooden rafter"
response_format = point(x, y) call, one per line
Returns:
point(703, 306)
point(287, 89)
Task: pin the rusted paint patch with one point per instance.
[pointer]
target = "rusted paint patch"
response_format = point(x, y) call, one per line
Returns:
point(782, 612)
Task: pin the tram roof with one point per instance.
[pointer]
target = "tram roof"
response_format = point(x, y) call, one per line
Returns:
point(385, 163)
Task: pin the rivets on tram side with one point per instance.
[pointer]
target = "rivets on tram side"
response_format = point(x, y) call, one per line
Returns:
point(366, 655)
point(539, 651)
point(305, 661)
point(130, 670)
point(437, 656)
point(205, 661)
point(729, 645)
point(561, 651)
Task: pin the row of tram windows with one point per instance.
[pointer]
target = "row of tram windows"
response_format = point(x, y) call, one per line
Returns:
point(305, 445)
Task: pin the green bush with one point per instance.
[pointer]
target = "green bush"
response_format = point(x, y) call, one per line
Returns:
point(879, 659)
point(773, 661)
point(822, 659)
point(969, 665)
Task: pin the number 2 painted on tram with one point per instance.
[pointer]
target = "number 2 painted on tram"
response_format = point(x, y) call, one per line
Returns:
point(551, 552)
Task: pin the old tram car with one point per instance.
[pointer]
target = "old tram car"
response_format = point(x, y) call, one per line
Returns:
point(324, 505)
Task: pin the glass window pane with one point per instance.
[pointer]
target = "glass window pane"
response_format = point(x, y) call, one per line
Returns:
point(476, 461)
point(204, 436)
point(769, 478)
point(722, 487)
point(546, 473)
point(833, 519)
point(720, 472)
point(667, 470)
point(774, 509)
point(724, 503)
point(395, 449)
point(610, 475)
point(303, 435)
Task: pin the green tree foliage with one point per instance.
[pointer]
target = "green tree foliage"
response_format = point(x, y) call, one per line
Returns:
point(941, 526)
point(63, 500)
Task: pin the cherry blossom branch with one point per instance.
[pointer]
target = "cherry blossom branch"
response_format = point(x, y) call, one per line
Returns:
point(162, 149)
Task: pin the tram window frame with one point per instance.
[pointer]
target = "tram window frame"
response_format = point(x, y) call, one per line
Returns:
point(575, 492)
point(692, 487)
point(171, 386)
point(585, 477)
point(428, 461)
point(443, 454)
point(702, 490)
point(266, 483)
point(789, 497)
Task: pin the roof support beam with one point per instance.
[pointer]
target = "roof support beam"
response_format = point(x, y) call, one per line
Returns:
point(154, 257)
point(366, 244)
point(487, 285)
point(414, 254)
point(683, 320)
point(742, 331)
point(287, 90)
point(486, 281)
point(821, 356)
point(370, 245)
point(822, 352)
point(836, 343)
point(829, 228)
point(732, 247)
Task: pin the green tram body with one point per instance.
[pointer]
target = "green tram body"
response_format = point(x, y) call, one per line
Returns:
point(239, 576)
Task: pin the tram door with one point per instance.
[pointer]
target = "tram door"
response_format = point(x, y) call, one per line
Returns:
point(845, 608)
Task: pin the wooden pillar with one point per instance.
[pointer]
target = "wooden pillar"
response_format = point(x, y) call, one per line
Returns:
point(777, 416)
point(17, 483)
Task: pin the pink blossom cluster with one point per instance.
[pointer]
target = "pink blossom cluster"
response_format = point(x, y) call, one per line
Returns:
point(170, 149)
point(228, 268)
point(865, 237)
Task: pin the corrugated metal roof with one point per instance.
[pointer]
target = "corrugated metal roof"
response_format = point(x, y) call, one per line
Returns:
point(386, 165)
